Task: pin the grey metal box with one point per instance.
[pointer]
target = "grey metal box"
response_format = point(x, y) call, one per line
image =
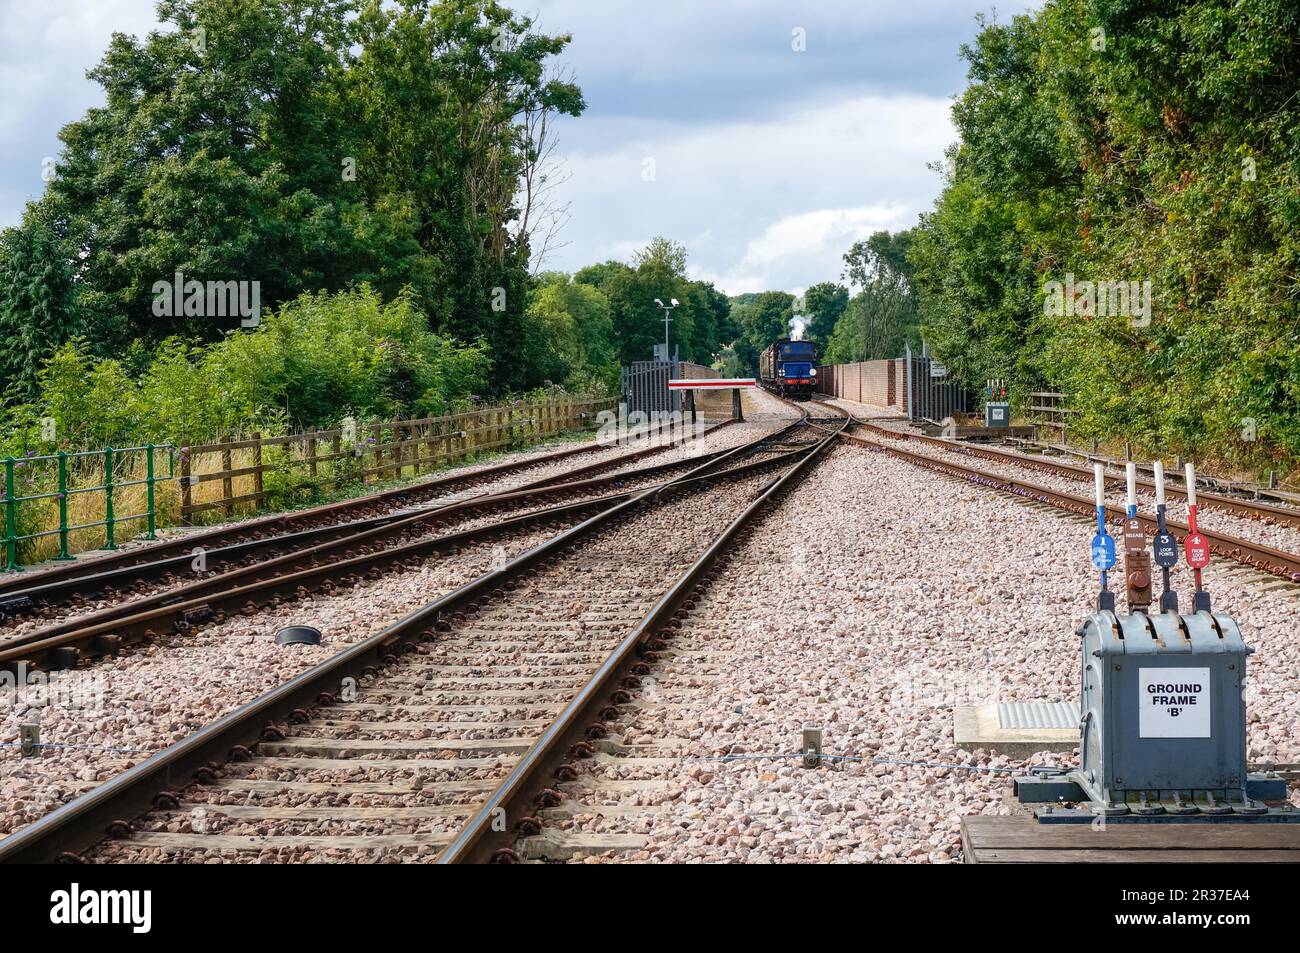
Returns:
point(997, 414)
point(1162, 707)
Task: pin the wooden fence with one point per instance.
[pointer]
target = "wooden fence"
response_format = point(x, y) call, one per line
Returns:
point(232, 475)
point(1047, 409)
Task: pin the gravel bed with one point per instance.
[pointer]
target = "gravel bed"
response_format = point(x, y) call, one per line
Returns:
point(903, 595)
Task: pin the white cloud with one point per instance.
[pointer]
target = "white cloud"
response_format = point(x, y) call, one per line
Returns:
point(45, 50)
point(771, 204)
point(805, 243)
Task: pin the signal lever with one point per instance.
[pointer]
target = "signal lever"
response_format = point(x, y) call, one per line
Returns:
point(1195, 546)
point(1137, 561)
point(1103, 547)
point(1164, 546)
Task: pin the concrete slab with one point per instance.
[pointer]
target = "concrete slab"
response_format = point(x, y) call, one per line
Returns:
point(978, 727)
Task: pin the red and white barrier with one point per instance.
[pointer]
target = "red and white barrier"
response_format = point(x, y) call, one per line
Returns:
point(687, 383)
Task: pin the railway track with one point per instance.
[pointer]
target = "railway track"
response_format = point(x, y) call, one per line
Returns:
point(235, 545)
point(1263, 558)
point(42, 597)
point(1287, 516)
point(342, 561)
point(484, 630)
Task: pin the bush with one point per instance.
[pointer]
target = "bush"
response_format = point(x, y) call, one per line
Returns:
point(320, 358)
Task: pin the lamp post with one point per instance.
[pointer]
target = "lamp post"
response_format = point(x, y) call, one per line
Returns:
point(667, 317)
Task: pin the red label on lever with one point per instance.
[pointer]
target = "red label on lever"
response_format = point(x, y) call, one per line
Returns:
point(1198, 551)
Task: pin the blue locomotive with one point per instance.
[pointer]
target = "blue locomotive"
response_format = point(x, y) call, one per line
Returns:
point(788, 368)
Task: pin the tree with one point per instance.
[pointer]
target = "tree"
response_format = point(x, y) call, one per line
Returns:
point(599, 275)
point(824, 303)
point(660, 273)
point(36, 305)
point(310, 146)
point(767, 319)
point(661, 255)
point(1148, 144)
point(460, 86)
point(886, 307)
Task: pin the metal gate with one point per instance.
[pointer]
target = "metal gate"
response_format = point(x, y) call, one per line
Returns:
point(931, 394)
point(644, 386)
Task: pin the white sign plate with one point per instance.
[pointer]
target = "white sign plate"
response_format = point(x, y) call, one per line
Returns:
point(1173, 703)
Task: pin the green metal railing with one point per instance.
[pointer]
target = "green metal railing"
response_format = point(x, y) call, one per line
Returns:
point(110, 521)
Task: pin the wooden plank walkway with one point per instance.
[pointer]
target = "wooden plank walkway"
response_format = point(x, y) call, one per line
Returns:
point(1022, 840)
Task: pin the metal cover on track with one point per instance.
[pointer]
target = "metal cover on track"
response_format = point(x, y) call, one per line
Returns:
point(1038, 715)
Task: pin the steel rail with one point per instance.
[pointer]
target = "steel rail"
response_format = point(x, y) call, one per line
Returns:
point(312, 541)
point(1287, 516)
point(66, 644)
point(282, 523)
point(528, 782)
point(1264, 558)
point(106, 809)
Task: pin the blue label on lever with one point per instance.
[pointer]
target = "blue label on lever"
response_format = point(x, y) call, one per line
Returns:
point(1103, 551)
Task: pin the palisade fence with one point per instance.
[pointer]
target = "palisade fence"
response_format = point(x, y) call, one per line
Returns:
point(644, 386)
point(931, 394)
point(65, 503)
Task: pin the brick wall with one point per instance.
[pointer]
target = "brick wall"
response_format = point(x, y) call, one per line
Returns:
point(879, 383)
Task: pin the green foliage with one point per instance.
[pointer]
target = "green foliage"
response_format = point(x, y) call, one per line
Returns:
point(663, 255)
point(1131, 141)
point(765, 319)
point(824, 304)
point(574, 333)
point(35, 305)
point(318, 359)
point(598, 275)
point(881, 319)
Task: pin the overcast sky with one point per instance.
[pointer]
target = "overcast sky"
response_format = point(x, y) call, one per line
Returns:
point(704, 123)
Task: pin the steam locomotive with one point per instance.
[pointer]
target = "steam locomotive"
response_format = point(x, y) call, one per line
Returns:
point(789, 368)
